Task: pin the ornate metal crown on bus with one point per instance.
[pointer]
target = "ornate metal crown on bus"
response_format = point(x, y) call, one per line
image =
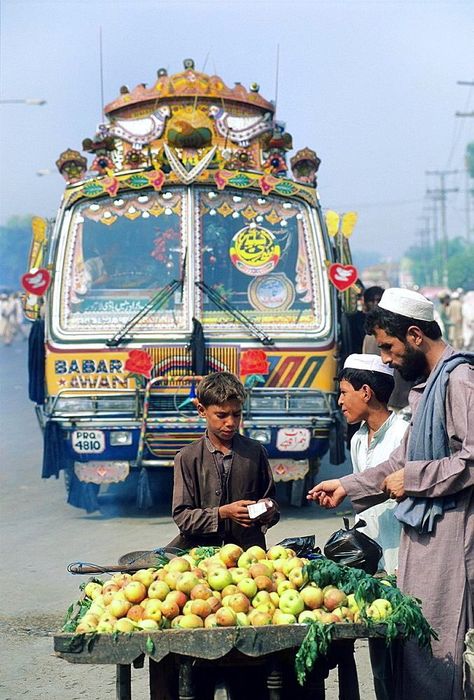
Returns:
point(189, 127)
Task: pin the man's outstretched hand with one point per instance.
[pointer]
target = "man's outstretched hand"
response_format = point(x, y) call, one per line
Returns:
point(328, 494)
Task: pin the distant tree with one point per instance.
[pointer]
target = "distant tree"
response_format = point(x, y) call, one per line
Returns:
point(15, 239)
point(426, 264)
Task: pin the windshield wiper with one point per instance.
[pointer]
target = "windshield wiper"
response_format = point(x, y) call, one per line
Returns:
point(154, 304)
point(239, 316)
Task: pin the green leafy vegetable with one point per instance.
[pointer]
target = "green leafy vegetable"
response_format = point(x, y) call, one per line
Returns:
point(316, 643)
point(149, 645)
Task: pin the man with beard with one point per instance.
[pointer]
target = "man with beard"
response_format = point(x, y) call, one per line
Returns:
point(431, 474)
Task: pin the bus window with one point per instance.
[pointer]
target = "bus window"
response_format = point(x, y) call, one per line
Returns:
point(258, 253)
point(121, 253)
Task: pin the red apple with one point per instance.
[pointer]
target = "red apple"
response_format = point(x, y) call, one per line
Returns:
point(334, 598)
point(313, 597)
point(169, 609)
point(229, 554)
point(225, 617)
point(136, 612)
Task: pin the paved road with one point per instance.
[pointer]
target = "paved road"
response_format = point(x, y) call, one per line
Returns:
point(41, 534)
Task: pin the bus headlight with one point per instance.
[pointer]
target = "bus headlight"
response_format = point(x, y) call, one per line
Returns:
point(120, 437)
point(263, 436)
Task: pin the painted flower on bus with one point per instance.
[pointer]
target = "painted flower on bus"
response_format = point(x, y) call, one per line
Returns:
point(139, 362)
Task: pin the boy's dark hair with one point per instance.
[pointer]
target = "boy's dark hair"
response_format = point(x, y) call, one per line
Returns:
point(381, 384)
point(372, 293)
point(218, 388)
point(398, 325)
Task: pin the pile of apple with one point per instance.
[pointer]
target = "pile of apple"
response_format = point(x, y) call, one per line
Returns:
point(232, 587)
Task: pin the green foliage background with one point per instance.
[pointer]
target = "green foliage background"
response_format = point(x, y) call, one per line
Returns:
point(15, 240)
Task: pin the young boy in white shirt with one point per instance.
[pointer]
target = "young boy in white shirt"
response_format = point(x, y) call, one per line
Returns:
point(365, 385)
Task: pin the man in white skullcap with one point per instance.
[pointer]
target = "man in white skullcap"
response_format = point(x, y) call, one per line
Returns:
point(431, 474)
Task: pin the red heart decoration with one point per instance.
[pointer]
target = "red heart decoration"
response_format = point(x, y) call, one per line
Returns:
point(36, 282)
point(342, 276)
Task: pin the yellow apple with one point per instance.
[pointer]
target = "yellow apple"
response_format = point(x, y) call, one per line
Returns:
point(93, 589)
point(145, 576)
point(124, 625)
point(225, 617)
point(135, 591)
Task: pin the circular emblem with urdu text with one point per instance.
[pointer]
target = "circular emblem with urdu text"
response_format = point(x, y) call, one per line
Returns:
point(254, 251)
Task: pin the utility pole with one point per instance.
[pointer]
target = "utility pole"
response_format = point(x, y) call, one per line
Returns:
point(424, 235)
point(442, 192)
point(465, 114)
point(469, 83)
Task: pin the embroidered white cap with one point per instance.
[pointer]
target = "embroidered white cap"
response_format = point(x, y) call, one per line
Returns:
point(372, 363)
point(407, 303)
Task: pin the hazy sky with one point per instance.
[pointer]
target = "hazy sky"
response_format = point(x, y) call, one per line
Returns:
point(371, 85)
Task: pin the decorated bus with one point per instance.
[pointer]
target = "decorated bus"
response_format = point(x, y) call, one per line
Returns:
point(183, 246)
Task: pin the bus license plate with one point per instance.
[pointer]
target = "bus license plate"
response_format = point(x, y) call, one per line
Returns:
point(87, 442)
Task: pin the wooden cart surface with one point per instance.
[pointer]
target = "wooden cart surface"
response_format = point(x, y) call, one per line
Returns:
point(188, 646)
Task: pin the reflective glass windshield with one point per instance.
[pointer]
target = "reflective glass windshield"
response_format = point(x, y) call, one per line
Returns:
point(259, 254)
point(119, 254)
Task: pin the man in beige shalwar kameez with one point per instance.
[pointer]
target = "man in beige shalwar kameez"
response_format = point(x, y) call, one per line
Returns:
point(435, 566)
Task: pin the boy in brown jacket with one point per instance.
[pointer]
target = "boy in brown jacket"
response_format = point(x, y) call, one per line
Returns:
point(217, 477)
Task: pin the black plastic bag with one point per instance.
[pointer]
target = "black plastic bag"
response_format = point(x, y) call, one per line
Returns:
point(302, 546)
point(353, 548)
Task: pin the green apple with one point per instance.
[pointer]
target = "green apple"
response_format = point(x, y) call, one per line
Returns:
point(186, 582)
point(277, 552)
point(124, 625)
point(85, 628)
point(145, 576)
point(285, 586)
point(291, 602)
point(190, 621)
point(305, 617)
point(219, 578)
point(313, 597)
point(380, 609)
point(148, 625)
point(248, 587)
point(153, 610)
point(179, 564)
point(257, 552)
point(158, 590)
point(242, 619)
point(297, 576)
point(238, 573)
point(246, 560)
point(119, 608)
point(281, 618)
point(292, 564)
point(261, 597)
point(93, 589)
point(351, 603)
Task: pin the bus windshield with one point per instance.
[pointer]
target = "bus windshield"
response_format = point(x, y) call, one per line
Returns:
point(261, 255)
point(121, 253)
point(252, 261)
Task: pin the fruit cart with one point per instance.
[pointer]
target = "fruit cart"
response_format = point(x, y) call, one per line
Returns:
point(272, 648)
